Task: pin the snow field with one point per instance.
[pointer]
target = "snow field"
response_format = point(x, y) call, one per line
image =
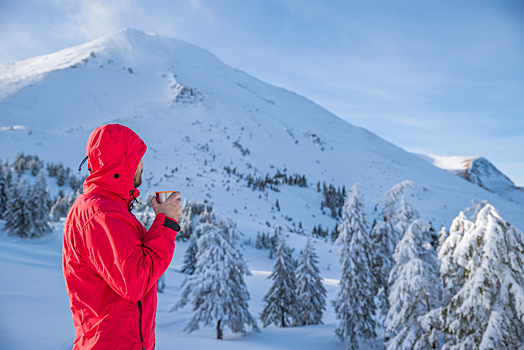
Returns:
point(35, 314)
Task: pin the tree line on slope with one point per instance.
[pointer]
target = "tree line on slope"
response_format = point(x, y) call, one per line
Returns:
point(26, 204)
point(272, 182)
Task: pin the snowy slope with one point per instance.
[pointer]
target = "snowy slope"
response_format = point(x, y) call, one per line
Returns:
point(34, 307)
point(482, 172)
point(190, 108)
point(198, 115)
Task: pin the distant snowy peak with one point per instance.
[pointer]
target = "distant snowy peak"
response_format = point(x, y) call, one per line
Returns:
point(477, 170)
point(481, 172)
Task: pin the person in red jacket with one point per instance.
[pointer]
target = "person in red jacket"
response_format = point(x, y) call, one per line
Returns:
point(111, 264)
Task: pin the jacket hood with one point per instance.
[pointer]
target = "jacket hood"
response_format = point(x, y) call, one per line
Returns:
point(114, 152)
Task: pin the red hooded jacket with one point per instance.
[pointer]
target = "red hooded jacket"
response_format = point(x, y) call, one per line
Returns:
point(111, 264)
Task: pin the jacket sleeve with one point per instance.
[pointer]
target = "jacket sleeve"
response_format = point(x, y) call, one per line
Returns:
point(130, 265)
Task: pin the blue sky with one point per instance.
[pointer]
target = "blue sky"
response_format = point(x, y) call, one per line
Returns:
point(434, 76)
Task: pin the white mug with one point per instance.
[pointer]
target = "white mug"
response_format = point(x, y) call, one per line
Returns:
point(162, 196)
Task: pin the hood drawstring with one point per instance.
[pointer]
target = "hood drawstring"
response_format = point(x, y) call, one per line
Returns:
point(85, 160)
point(135, 200)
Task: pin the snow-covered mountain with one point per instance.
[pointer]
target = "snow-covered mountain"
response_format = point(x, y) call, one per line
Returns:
point(198, 116)
point(482, 172)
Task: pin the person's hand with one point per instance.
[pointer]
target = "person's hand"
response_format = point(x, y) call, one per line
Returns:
point(171, 207)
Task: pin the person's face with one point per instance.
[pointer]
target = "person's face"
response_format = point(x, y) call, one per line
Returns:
point(138, 174)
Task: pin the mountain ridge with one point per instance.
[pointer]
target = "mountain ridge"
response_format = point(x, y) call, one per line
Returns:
point(479, 171)
point(199, 115)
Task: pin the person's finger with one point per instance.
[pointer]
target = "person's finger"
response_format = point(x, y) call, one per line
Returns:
point(174, 197)
point(154, 202)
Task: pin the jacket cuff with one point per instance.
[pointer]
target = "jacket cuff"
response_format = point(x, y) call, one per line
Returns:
point(172, 224)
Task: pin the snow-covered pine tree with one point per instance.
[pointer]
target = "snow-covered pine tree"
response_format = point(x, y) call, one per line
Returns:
point(405, 216)
point(19, 164)
point(75, 182)
point(62, 175)
point(39, 200)
point(411, 322)
point(311, 293)
point(442, 236)
point(61, 206)
point(452, 274)
point(273, 241)
point(208, 215)
point(488, 311)
point(57, 208)
point(34, 165)
point(258, 242)
point(185, 222)
point(25, 215)
point(354, 305)
point(216, 290)
point(4, 187)
point(475, 209)
point(17, 215)
point(385, 237)
point(281, 305)
point(190, 257)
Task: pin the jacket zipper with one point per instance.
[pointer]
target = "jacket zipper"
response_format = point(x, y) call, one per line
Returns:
point(140, 323)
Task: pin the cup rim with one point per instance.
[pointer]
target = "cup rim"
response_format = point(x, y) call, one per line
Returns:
point(164, 191)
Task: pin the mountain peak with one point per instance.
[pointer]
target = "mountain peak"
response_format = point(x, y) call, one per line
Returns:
point(125, 47)
point(480, 171)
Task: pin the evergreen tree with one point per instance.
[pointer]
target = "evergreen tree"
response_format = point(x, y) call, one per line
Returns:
point(185, 222)
point(354, 305)
point(385, 237)
point(35, 165)
point(475, 209)
point(259, 243)
point(190, 257)
point(272, 241)
point(311, 293)
point(442, 236)
point(488, 311)
point(334, 233)
point(452, 274)
point(405, 216)
point(61, 206)
point(281, 305)
point(4, 187)
point(17, 215)
point(216, 289)
point(208, 215)
point(27, 211)
point(51, 169)
point(62, 175)
point(40, 200)
point(414, 292)
point(75, 182)
point(19, 164)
